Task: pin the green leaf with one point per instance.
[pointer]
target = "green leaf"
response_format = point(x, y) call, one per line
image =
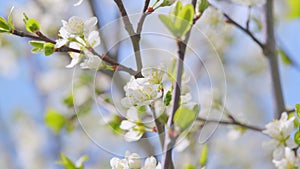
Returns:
point(49, 49)
point(297, 138)
point(178, 7)
point(37, 50)
point(32, 25)
point(171, 71)
point(168, 98)
point(80, 162)
point(10, 19)
point(298, 110)
point(115, 124)
point(68, 101)
point(167, 20)
point(66, 162)
point(203, 6)
point(184, 20)
point(294, 6)
point(203, 156)
point(55, 121)
point(190, 166)
point(3, 25)
point(184, 117)
point(37, 44)
point(180, 20)
point(284, 57)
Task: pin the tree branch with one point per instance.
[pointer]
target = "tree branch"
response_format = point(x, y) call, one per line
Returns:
point(270, 52)
point(245, 30)
point(171, 135)
point(41, 37)
point(159, 126)
point(133, 36)
point(234, 122)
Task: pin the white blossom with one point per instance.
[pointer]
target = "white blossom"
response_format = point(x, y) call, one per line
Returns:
point(78, 3)
point(134, 132)
point(250, 2)
point(78, 30)
point(151, 163)
point(117, 163)
point(140, 92)
point(280, 131)
point(290, 161)
point(91, 62)
point(76, 57)
point(134, 160)
point(212, 17)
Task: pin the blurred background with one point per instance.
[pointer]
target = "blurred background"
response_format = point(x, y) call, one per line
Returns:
point(38, 120)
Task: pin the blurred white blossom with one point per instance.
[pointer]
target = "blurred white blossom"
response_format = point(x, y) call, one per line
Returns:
point(133, 161)
point(290, 160)
point(280, 131)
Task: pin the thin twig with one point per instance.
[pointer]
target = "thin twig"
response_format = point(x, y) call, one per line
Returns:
point(245, 30)
point(171, 135)
point(104, 57)
point(159, 126)
point(133, 36)
point(270, 52)
point(234, 122)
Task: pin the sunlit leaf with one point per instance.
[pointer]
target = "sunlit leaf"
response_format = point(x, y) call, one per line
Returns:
point(203, 6)
point(298, 110)
point(284, 57)
point(294, 6)
point(54, 120)
point(66, 162)
point(184, 117)
point(297, 138)
point(49, 49)
point(203, 156)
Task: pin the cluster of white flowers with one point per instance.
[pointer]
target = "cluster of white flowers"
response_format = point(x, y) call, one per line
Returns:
point(140, 92)
point(282, 143)
point(133, 161)
point(143, 91)
point(79, 34)
point(250, 2)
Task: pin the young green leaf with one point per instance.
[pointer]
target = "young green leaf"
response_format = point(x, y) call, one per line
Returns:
point(55, 121)
point(167, 20)
point(184, 20)
point(49, 49)
point(284, 57)
point(80, 162)
point(168, 98)
point(180, 20)
point(203, 156)
point(178, 8)
point(203, 6)
point(3, 25)
point(66, 162)
point(10, 19)
point(37, 44)
point(298, 110)
point(184, 117)
point(297, 138)
point(32, 25)
point(294, 6)
point(189, 166)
